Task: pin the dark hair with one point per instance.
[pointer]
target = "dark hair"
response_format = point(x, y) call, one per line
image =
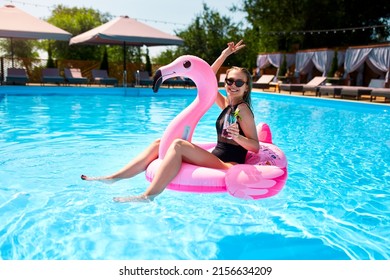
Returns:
point(247, 94)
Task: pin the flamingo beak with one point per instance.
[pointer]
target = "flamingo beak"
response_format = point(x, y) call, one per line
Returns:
point(157, 80)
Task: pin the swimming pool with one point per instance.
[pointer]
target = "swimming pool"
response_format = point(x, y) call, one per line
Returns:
point(335, 204)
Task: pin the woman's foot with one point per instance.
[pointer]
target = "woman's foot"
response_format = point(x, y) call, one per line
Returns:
point(140, 198)
point(105, 179)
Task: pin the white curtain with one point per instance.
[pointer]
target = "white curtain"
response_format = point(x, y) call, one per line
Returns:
point(275, 59)
point(377, 58)
point(323, 60)
point(303, 63)
point(354, 58)
point(261, 62)
point(380, 59)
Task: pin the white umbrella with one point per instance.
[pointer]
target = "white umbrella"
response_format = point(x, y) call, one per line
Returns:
point(15, 23)
point(126, 31)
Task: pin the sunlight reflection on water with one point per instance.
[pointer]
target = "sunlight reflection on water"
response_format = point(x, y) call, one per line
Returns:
point(334, 205)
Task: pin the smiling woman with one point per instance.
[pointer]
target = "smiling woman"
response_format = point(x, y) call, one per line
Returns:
point(258, 173)
point(176, 148)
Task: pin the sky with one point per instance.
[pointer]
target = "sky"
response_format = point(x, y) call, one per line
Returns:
point(168, 15)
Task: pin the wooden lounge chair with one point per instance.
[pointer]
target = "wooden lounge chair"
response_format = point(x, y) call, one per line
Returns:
point(310, 86)
point(358, 91)
point(74, 76)
point(16, 76)
point(264, 82)
point(101, 77)
point(52, 76)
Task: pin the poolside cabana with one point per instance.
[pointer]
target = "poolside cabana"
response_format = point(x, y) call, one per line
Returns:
point(320, 59)
point(265, 60)
point(376, 57)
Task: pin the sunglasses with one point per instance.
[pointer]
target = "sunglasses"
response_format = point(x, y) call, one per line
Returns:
point(239, 83)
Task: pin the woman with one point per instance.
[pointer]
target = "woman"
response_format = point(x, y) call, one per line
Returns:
point(230, 150)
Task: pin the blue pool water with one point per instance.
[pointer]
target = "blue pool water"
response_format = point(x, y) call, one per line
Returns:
point(335, 204)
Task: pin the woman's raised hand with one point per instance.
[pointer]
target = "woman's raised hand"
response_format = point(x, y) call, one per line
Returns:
point(232, 47)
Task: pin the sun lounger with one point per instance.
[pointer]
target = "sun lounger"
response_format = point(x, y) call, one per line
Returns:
point(381, 92)
point(52, 76)
point(310, 86)
point(101, 77)
point(221, 81)
point(329, 90)
point(264, 82)
point(74, 76)
point(16, 76)
point(358, 91)
point(142, 78)
point(189, 82)
point(177, 81)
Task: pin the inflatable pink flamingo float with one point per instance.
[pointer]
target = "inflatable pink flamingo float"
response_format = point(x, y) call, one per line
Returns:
point(264, 173)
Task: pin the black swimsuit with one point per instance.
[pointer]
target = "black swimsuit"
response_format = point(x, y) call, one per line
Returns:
point(228, 150)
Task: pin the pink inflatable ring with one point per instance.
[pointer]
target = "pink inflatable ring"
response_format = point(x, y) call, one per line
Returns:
point(264, 173)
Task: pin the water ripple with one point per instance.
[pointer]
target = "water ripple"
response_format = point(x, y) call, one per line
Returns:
point(334, 206)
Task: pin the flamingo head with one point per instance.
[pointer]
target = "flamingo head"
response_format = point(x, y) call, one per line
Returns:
point(193, 67)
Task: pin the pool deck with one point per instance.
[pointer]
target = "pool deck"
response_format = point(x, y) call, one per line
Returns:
point(95, 90)
point(147, 91)
point(363, 98)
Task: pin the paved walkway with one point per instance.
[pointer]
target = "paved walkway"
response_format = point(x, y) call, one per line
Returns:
point(363, 98)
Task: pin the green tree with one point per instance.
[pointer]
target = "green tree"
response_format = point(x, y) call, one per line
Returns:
point(270, 23)
point(166, 57)
point(50, 62)
point(76, 21)
point(334, 66)
point(148, 64)
point(19, 48)
point(283, 66)
point(133, 53)
point(104, 62)
point(206, 36)
point(287, 25)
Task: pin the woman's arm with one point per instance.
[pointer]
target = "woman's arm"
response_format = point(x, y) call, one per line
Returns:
point(247, 123)
point(230, 49)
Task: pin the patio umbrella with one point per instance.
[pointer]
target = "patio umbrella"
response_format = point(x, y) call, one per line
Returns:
point(126, 31)
point(15, 23)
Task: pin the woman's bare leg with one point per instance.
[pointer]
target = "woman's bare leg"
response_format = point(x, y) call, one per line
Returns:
point(134, 167)
point(179, 151)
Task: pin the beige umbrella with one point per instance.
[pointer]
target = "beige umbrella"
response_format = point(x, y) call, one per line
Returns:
point(126, 31)
point(15, 23)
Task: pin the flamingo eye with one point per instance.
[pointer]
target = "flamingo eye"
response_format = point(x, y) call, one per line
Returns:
point(187, 64)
